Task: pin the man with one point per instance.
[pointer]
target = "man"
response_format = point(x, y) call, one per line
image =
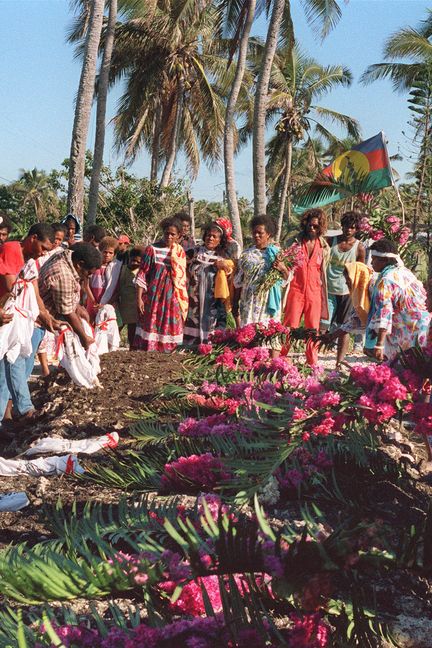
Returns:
point(18, 260)
point(307, 296)
point(94, 234)
point(60, 234)
point(5, 227)
point(60, 285)
point(123, 249)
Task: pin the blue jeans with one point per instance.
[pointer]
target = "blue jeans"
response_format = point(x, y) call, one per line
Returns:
point(14, 376)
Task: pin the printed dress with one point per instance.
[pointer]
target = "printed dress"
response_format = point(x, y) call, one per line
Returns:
point(252, 266)
point(398, 304)
point(206, 313)
point(161, 326)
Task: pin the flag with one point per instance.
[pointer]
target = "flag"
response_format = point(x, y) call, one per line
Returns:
point(363, 169)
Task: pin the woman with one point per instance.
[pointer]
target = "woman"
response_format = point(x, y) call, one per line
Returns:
point(307, 297)
point(162, 300)
point(252, 305)
point(208, 272)
point(398, 318)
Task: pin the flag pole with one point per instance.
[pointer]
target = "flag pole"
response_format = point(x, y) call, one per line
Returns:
point(394, 185)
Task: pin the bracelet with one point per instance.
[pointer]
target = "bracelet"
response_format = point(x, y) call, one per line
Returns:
point(379, 346)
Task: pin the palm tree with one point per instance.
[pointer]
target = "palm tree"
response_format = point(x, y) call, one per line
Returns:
point(35, 191)
point(413, 71)
point(176, 79)
point(244, 19)
point(322, 13)
point(103, 83)
point(297, 82)
point(75, 197)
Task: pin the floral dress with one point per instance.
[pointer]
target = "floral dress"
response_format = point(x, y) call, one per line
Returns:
point(398, 305)
point(161, 326)
point(252, 266)
point(206, 313)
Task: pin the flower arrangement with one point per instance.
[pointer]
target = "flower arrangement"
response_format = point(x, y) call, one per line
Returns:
point(291, 258)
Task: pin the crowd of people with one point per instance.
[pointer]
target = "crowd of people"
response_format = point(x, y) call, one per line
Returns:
point(177, 291)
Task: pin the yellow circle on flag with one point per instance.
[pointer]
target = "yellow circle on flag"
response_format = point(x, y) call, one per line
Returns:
point(349, 164)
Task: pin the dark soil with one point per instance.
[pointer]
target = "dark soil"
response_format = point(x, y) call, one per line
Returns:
point(129, 379)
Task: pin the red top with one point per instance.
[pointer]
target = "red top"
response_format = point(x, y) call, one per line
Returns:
point(11, 262)
point(307, 276)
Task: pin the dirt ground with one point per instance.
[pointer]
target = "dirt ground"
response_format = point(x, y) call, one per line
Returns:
point(129, 380)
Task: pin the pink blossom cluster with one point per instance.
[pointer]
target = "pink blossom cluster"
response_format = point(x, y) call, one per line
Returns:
point(243, 359)
point(383, 391)
point(215, 425)
point(422, 415)
point(308, 464)
point(391, 227)
point(246, 336)
point(308, 631)
point(197, 632)
point(217, 403)
point(194, 473)
point(133, 565)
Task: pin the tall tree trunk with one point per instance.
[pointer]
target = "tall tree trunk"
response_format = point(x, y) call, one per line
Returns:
point(424, 163)
point(260, 108)
point(166, 175)
point(191, 207)
point(156, 134)
point(285, 187)
point(101, 113)
point(233, 208)
point(75, 198)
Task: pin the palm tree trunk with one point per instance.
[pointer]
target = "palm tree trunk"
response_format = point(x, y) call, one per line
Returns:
point(75, 199)
point(166, 175)
point(101, 113)
point(157, 119)
point(285, 187)
point(260, 108)
point(424, 163)
point(233, 208)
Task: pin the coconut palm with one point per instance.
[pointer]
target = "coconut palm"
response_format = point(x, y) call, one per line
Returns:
point(323, 14)
point(75, 197)
point(103, 83)
point(297, 82)
point(240, 16)
point(173, 68)
point(413, 71)
point(36, 193)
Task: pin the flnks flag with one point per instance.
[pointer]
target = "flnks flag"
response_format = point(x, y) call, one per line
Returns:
point(363, 169)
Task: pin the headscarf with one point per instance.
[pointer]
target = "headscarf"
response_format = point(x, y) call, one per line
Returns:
point(226, 225)
point(359, 275)
point(178, 274)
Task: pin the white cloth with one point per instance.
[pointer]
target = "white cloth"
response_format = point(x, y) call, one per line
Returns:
point(107, 336)
point(15, 337)
point(85, 446)
point(112, 276)
point(82, 366)
point(43, 466)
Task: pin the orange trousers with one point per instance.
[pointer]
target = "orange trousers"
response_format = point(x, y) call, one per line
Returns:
point(309, 306)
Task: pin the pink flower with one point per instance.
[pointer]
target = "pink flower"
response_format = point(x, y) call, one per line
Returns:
point(193, 473)
point(376, 235)
point(205, 349)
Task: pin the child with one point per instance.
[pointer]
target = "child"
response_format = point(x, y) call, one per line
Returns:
point(102, 284)
point(126, 295)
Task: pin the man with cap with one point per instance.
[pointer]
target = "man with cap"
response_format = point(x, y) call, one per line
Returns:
point(123, 249)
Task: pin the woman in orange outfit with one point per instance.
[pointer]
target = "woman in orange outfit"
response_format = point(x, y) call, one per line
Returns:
point(307, 296)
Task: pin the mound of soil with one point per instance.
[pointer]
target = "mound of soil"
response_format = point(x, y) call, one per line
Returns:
point(129, 380)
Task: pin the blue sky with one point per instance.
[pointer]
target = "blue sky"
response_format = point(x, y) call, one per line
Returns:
point(39, 77)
